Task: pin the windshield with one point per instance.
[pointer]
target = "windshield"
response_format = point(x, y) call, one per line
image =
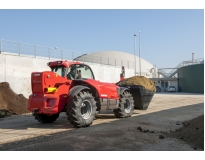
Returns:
point(79, 71)
point(60, 70)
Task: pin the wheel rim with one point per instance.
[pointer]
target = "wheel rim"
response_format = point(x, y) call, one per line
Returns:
point(127, 106)
point(86, 109)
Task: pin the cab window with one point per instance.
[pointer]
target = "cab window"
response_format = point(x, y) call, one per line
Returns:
point(79, 72)
point(60, 70)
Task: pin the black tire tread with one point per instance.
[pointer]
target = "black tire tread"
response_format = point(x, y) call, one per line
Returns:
point(74, 110)
point(120, 112)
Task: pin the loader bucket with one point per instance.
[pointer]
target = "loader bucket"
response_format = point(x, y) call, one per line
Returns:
point(142, 97)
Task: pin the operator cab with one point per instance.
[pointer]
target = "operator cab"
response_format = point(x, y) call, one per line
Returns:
point(79, 72)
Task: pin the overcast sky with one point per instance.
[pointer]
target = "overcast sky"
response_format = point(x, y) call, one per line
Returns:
point(167, 37)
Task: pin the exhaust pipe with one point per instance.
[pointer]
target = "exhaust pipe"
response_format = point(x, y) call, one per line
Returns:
point(192, 57)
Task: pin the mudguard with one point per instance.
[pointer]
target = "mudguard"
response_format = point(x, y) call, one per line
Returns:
point(73, 91)
point(122, 89)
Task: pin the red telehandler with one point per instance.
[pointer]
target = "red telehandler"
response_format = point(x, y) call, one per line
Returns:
point(71, 87)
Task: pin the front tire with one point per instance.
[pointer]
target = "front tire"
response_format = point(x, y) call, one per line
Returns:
point(82, 111)
point(126, 106)
point(43, 118)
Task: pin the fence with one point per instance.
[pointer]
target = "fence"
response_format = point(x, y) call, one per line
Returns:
point(95, 59)
point(36, 51)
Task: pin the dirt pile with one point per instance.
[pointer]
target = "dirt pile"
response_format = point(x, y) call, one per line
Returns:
point(192, 132)
point(138, 80)
point(10, 102)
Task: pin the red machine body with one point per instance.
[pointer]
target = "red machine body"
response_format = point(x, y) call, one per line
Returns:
point(51, 90)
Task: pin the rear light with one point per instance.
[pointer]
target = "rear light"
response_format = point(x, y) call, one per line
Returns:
point(48, 63)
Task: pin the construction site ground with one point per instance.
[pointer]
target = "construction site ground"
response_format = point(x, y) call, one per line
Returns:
point(152, 130)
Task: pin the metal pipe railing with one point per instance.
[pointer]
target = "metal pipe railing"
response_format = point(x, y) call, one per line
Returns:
point(25, 49)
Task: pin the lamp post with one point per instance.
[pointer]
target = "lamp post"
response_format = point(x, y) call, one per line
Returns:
point(134, 55)
point(139, 55)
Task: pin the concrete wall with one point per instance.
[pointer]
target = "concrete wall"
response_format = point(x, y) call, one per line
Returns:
point(109, 74)
point(16, 70)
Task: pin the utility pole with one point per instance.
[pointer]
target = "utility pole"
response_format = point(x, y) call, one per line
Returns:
point(134, 54)
point(139, 55)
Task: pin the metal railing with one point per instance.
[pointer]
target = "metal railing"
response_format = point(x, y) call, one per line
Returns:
point(95, 59)
point(162, 72)
point(183, 63)
point(36, 51)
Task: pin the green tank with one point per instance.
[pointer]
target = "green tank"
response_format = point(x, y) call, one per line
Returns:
point(191, 78)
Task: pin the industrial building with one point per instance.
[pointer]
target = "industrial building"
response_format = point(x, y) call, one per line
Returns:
point(188, 76)
point(119, 59)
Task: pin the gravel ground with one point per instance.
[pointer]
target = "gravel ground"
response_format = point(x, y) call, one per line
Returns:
point(169, 117)
point(155, 129)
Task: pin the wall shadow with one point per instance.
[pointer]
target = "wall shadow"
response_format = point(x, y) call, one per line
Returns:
point(83, 138)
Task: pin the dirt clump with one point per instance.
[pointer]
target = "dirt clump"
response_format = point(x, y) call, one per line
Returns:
point(10, 102)
point(138, 80)
point(192, 132)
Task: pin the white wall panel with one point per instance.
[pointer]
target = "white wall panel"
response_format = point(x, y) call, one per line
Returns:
point(17, 72)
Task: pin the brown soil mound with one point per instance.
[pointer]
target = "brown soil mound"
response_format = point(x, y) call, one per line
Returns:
point(10, 102)
point(139, 80)
point(192, 132)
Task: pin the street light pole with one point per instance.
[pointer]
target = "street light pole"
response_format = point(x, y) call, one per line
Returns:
point(55, 51)
point(139, 55)
point(134, 55)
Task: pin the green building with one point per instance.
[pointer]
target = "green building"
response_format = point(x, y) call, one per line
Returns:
point(191, 78)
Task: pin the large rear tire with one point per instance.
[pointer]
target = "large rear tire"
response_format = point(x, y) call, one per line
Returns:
point(82, 110)
point(126, 106)
point(43, 118)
